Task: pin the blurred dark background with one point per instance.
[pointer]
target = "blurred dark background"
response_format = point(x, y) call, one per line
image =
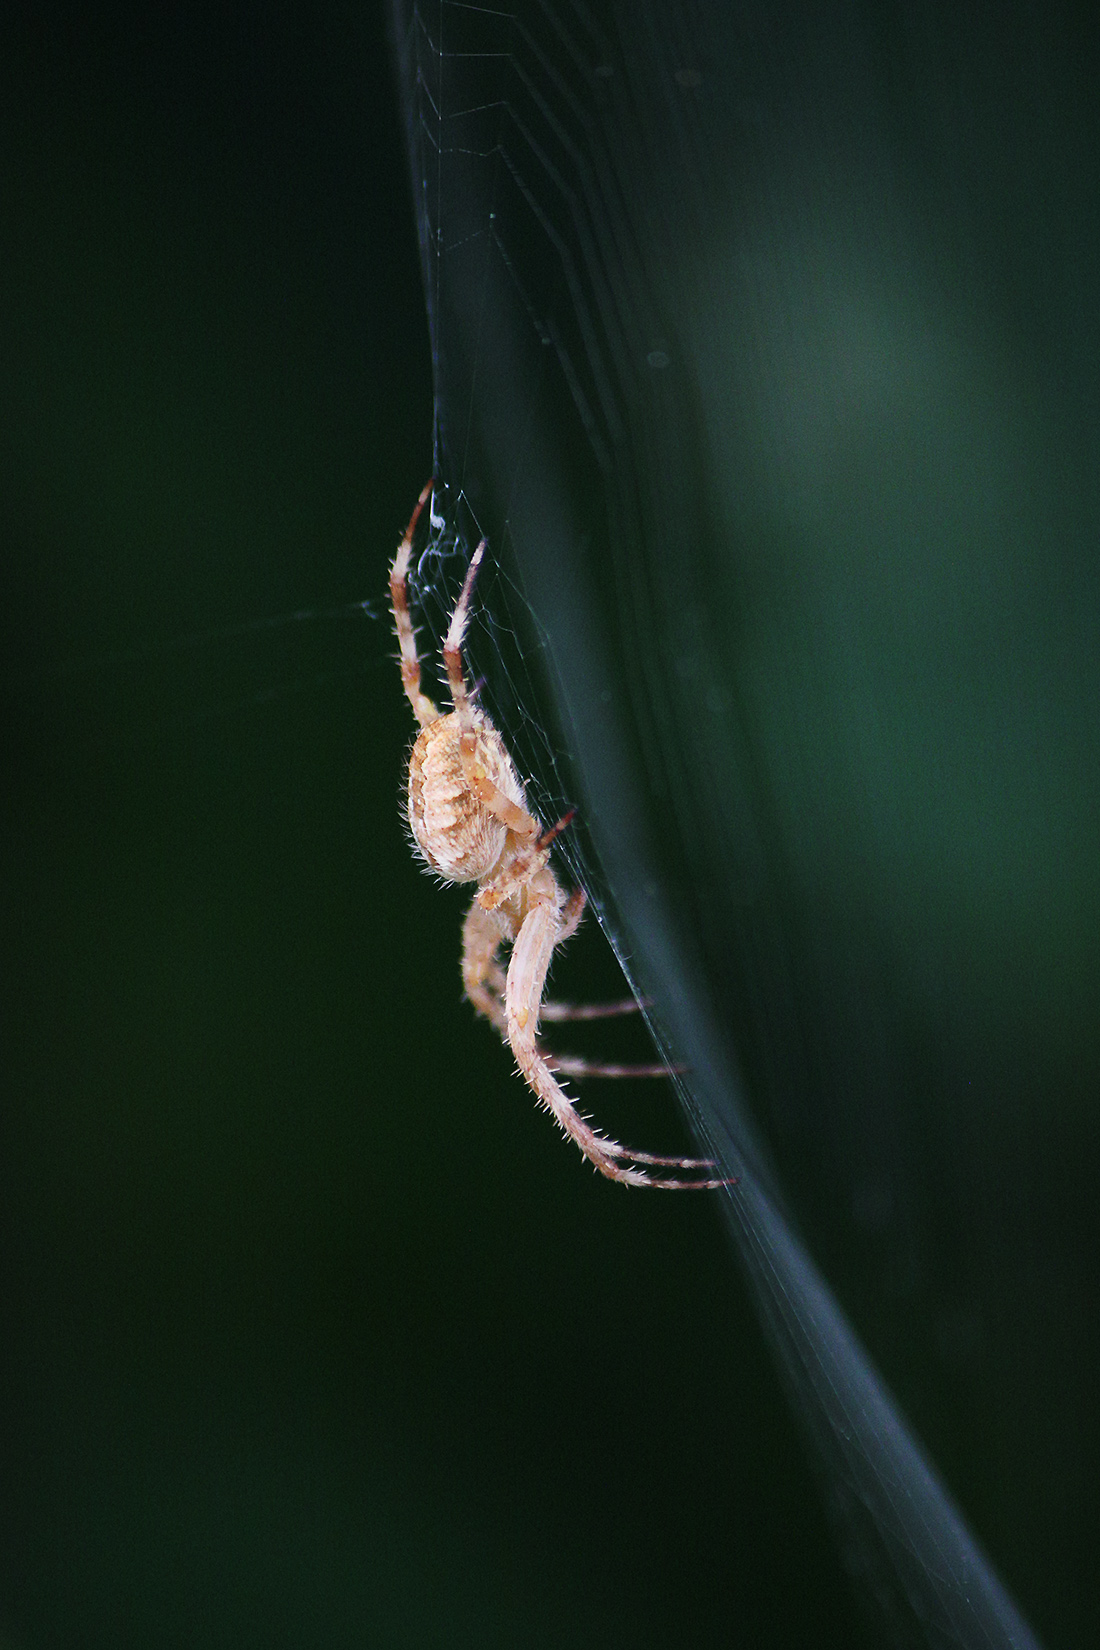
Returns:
point(314, 1333)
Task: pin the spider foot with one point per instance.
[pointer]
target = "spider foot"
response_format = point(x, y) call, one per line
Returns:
point(661, 1183)
point(687, 1185)
point(667, 1162)
point(619, 1163)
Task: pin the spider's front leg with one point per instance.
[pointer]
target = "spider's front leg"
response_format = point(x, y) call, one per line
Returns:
point(423, 708)
point(456, 635)
point(481, 751)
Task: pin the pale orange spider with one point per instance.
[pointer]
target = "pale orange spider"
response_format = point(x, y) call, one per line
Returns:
point(471, 823)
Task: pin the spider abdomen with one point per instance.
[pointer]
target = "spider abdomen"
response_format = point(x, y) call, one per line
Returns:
point(457, 834)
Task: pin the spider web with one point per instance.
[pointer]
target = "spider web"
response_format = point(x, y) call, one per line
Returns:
point(606, 198)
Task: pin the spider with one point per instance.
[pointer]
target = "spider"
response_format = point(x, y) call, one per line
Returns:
point(470, 823)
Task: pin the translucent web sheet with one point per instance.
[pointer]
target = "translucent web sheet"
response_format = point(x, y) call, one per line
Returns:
point(635, 221)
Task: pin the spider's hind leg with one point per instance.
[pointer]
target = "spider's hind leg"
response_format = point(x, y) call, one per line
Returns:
point(483, 978)
point(558, 1012)
point(571, 916)
point(526, 978)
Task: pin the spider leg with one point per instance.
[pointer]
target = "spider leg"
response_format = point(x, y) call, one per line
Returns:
point(423, 708)
point(456, 635)
point(526, 863)
point(590, 1011)
point(482, 976)
point(484, 982)
point(554, 1011)
point(517, 819)
point(570, 920)
point(572, 1065)
point(681, 1163)
point(526, 979)
point(572, 912)
point(547, 838)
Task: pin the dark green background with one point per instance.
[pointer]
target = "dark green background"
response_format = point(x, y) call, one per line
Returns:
point(313, 1332)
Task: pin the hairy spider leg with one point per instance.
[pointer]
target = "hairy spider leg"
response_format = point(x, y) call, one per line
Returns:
point(575, 1065)
point(517, 819)
point(484, 982)
point(423, 708)
point(547, 837)
point(530, 960)
point(557, 1011)
point(483, 978)
point(571, 914)
point(485, 985)
point(456, 635)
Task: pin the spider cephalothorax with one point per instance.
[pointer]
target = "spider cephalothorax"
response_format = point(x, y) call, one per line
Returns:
point(470, 821)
